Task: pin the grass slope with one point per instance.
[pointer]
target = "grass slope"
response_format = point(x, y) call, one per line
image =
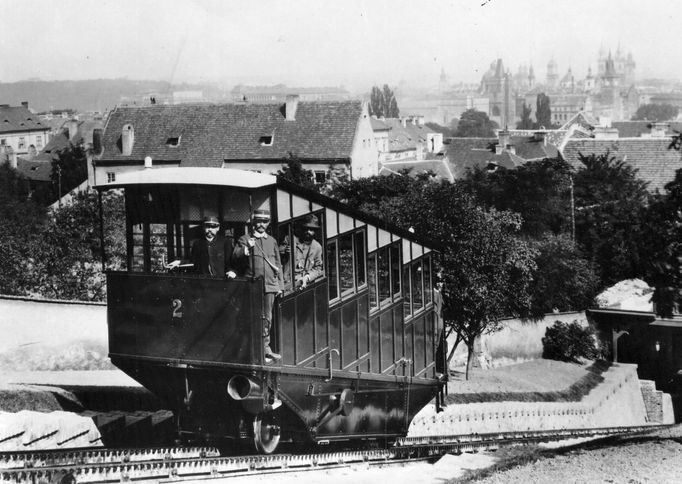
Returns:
point(532, 381)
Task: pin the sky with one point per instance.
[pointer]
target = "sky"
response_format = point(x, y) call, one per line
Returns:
point(353, 43)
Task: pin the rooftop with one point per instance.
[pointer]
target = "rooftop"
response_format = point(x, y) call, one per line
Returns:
point(206, 135)
point(19, 118)
point(655, 162)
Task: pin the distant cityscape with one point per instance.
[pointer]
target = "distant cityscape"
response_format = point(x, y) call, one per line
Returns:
point(335, 132)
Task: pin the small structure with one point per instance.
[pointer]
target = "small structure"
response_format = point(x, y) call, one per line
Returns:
point(633, 333)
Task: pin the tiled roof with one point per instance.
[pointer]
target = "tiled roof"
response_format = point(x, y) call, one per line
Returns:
point(61, 141)
point(632, 129)
point(655, 163)
point(582, 119)
point(408, 137)
point(439, 167)
point(465, 154)
point(529, 148)
point(19, 118)
point(34, 170)
point(212, 133)
point(378, 124)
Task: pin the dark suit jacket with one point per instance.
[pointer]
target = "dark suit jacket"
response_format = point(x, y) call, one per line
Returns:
point(213, 258)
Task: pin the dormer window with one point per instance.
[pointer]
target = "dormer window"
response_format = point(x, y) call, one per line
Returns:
point(173, 141)
point(265, 140)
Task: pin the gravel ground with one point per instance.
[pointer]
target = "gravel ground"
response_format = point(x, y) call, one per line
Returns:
point(656, 458)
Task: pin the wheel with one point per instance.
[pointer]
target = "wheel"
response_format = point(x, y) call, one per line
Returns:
point(266, 431)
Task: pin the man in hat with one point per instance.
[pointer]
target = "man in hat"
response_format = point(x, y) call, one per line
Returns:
point(259, 253)
point(307, 253)
point(212, 254)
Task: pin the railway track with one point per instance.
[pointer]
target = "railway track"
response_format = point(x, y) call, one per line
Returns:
point(178, 464)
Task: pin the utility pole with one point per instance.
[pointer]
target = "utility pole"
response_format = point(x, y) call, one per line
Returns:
point(572, 211)
point(59, 185)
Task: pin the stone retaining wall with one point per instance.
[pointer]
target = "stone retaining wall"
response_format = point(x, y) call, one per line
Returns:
point(659, 406)
point(615, 402)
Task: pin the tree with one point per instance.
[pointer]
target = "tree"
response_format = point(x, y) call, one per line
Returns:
point(486, 269)
point(70, 259)
point(475, 124)
point(69, 170)
point(543, 112)
point(21, 225)
point(569, 342)
point(664, 230)
point(610, 217)
point(539, 191)
point(293, 171)
point(382, 102)
point(526, 121)
point(656, 112)
point(564, 280)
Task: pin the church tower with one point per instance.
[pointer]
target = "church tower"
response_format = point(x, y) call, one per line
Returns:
point(552, 73)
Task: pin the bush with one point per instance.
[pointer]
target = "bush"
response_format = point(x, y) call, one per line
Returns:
point(569, 342)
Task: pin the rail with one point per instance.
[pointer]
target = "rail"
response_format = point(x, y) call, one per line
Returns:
point(154, 465)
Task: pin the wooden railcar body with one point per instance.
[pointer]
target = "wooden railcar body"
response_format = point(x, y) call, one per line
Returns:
point(358, 345)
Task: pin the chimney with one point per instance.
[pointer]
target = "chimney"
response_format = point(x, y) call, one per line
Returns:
point(97, 146)
point(503, 138)
point(403, 122)
point(127, 139)
point(24, 104)
point(291, 107)
point(419, 120)
point(659, 130)
point(72, 126)
point(434, 142)
point(10, 155)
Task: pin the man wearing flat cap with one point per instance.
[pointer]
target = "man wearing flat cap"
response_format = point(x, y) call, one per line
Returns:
point(307, 253)
point(212, 254)
point(260, 255)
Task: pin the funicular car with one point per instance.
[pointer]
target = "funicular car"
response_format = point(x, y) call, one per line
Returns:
point(358, 344)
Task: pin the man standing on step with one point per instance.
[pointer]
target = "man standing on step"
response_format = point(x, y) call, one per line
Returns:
point(260, 255)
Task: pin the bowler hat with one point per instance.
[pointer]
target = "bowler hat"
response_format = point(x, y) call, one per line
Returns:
point(211, 220)
point(311, 222)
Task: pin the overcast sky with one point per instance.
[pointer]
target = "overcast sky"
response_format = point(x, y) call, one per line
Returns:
point(354, 43)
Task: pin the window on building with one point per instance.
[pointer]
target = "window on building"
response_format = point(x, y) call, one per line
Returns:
point(39, 142)
point(347, 277)
point(384, 275)
point(320, 177)
point(395, 269)
point(22, 143)
point(417, 286)
point(360, 274)
point(407, 301)
point(265, 140)
point(111, 177)
point(372, 281)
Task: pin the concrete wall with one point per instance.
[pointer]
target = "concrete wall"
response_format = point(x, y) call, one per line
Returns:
point(52, 335)
point(517, 342)
point(616, 402)
point(659, 406)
